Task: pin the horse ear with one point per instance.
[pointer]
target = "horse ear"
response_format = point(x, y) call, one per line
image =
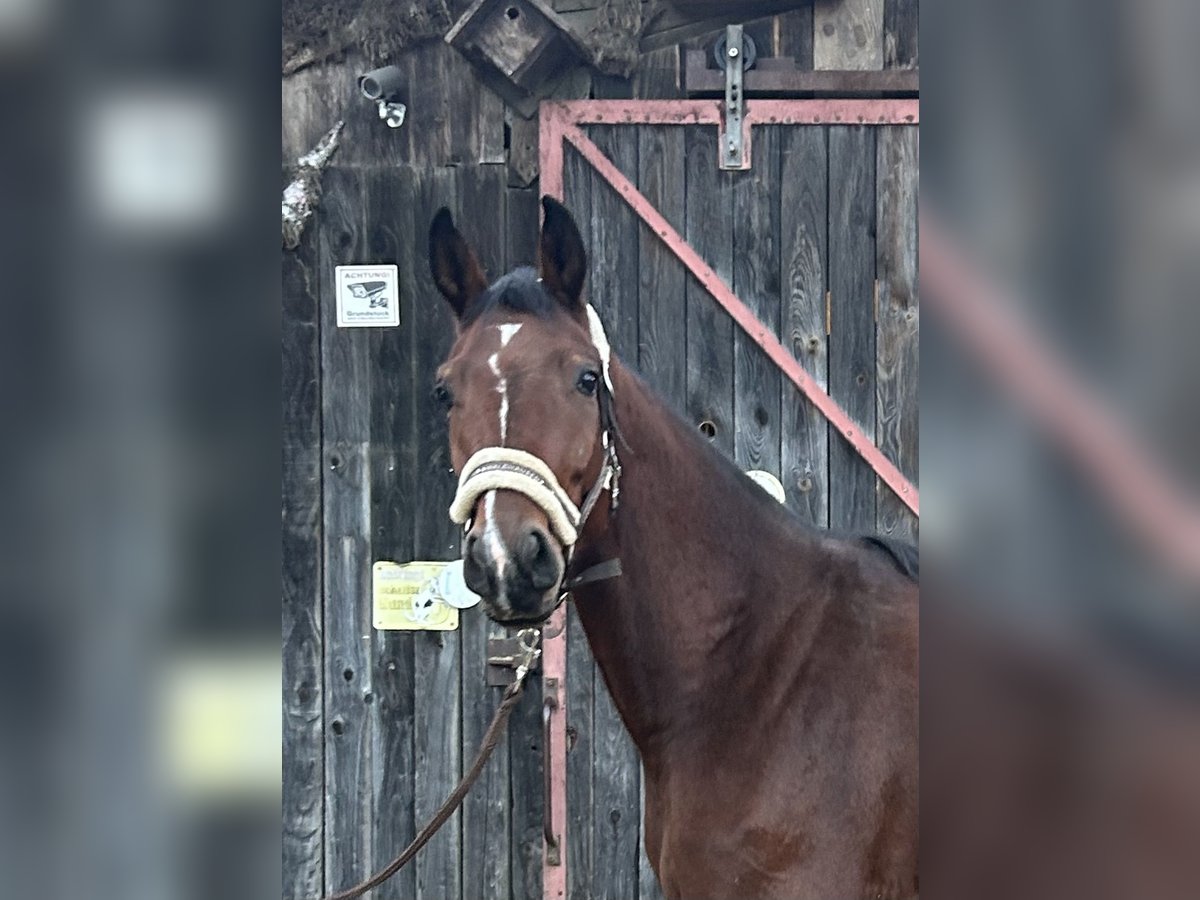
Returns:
point(455, 268)
point(563, 261)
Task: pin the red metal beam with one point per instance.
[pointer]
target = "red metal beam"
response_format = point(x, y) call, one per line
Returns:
point(759, 333)
point(708, 112)
point(554, 632)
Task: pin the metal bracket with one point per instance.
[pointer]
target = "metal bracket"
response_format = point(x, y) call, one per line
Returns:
point(734, 139)
point(549, 835)
point(392, 112)
point(504, 655)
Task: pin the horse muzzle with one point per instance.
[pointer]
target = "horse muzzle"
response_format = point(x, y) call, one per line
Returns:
point(518, 577)
point(517, 548)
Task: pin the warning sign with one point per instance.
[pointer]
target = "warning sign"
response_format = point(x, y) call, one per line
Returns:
point(367, 296)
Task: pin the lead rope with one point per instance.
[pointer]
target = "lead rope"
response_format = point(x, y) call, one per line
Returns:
point(529, 639)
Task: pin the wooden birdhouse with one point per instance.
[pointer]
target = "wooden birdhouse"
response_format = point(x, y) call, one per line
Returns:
point(519, 47)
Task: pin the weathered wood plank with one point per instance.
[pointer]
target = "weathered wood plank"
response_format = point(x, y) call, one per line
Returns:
point(581, 881)
point(709, 328)
point(491, 127)
point(581, 667)
point(437, 669)
point(574, 5)
point(781, 77)
point(611, 87)
point(756, 381)
point(523, 146)
point(431, 116)
point(525, 725)
point(389, 193)
point(302, 655)
point(346, 378)
point(523, 162)
point(310, 106)
point(662, 317)
point(794, 36)
point(464, 94)
point(648, 886)
point(476, 113)
point(615, 241)
point(762, 32)
point(848, 34)
point(803, 170)
point(852, 312)
point(662, 279)
point(486, 826)
point(900, 33)
point(657, 77)
point(899, 320)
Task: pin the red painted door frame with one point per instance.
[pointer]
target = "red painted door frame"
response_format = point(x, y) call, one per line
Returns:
point(561, 121)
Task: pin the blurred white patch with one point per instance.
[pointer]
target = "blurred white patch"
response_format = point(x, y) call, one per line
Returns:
point(452, 587)
point(157, 159)
point(23, 21)
point(221, 722)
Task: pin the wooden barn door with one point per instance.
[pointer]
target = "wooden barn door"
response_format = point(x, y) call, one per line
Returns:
point(818, 239)
point(390, 716)
point(819, 232)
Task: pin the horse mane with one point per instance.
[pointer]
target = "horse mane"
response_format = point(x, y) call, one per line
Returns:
point(902, 554)
point(519, 291)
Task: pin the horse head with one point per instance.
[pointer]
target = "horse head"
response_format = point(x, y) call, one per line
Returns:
point(526, 391)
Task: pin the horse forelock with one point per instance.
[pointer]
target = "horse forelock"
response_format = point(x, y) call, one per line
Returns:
point(519, 291)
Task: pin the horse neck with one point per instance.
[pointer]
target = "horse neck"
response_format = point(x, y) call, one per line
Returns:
point(667, 632)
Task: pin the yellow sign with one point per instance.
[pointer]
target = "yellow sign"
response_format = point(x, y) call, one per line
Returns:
point(406, 598)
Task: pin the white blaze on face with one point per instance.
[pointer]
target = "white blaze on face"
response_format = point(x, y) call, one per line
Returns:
point(493, 540)
point(491, 536)
point(507, 330)
point(502, 390)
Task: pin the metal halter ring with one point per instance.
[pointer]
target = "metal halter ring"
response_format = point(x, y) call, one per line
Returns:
point(528, 640)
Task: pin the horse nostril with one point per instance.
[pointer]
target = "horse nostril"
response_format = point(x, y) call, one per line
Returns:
point(531, 547)
point(476, 571)
point(476, 552)
point(539, 559)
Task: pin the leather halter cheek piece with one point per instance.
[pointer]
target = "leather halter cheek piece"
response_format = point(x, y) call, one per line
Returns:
point(508, 468)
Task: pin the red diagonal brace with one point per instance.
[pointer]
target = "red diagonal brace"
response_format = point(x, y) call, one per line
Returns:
point(759, 333)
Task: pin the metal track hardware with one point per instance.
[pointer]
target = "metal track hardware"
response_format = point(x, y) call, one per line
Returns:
point(734, 138)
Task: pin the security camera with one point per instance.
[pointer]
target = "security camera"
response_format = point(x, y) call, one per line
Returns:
point(385, 87)
point(385, 83)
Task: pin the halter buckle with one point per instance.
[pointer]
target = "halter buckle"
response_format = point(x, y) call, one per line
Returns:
point(528, 640)
point(614, 477)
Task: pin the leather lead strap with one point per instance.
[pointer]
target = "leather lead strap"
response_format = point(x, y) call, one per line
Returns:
point(490, 739)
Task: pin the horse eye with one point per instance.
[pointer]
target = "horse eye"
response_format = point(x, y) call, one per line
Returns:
point(587, 382)
point(442, 396)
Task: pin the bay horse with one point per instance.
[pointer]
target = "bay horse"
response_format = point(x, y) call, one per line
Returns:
point(766, 670)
